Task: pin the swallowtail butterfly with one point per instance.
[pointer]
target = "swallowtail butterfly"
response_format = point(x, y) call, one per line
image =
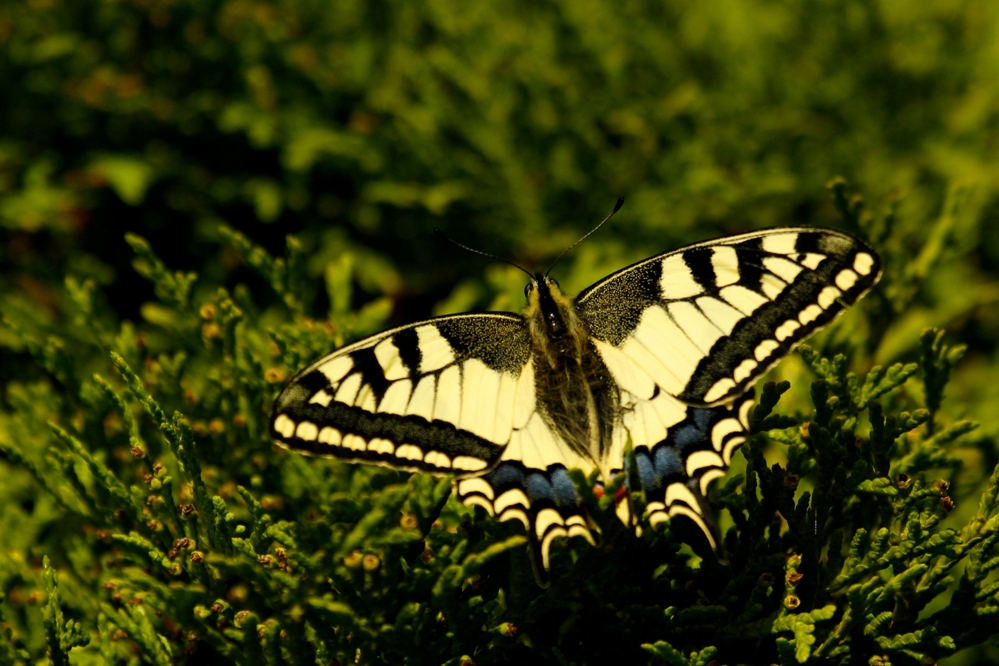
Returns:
point(662, 353)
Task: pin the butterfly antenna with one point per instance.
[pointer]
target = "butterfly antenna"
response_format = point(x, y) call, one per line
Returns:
point(440, 234)
point(617, 207)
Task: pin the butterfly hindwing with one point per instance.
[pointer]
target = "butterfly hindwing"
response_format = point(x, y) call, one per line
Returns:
point(544, 500)
point(704, 322)
point(442, 396)
point(675, 472)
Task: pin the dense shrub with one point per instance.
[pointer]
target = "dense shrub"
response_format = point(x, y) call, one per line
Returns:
point(273, 170)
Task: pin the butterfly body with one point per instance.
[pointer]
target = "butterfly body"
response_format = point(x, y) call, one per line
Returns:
point(661, 354)
point(575, 393)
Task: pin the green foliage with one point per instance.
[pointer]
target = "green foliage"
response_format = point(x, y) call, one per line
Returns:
point(145, 517)
point(185, 530)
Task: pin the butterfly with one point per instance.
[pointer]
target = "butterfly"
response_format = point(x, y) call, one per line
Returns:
point(660, 355)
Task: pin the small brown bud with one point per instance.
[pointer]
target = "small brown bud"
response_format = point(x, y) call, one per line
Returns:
point(353, 560)
point(182, 543)
point(947, 504)
point(274, 375)
point(266, 560)
point(216, 607)
point(792, 601)
point(408, 522)
point(211, 330)
point(135, 601)
point(238, 593)
point(370, 561)
point(207, 311)
point(197, 557)
point(137, 452)
point(271, 502)
point(793, 578)
point(766, 579)
point(186, 510)
point(216, 426)
point(791, 481)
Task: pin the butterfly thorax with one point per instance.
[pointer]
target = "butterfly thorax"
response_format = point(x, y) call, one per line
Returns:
point(573, 385)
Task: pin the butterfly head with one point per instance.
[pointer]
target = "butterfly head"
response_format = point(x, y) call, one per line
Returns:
point(551, 315)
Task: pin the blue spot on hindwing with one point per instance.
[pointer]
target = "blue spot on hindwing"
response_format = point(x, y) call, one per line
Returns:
point(539, 487)
point(646, 471)
point(506, 475)
point(685, 436)
point(667, 462)
point(565, 491)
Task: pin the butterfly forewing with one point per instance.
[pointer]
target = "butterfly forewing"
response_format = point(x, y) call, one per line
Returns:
point(704, 322)
point(443, 396)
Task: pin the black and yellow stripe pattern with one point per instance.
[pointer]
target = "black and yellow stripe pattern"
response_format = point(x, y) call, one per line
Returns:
point(662, 354)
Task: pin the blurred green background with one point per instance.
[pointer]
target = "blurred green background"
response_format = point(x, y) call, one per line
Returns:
point(359, 126)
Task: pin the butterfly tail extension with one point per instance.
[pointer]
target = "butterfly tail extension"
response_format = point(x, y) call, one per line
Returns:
point(544, 501)
point(676, 472)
